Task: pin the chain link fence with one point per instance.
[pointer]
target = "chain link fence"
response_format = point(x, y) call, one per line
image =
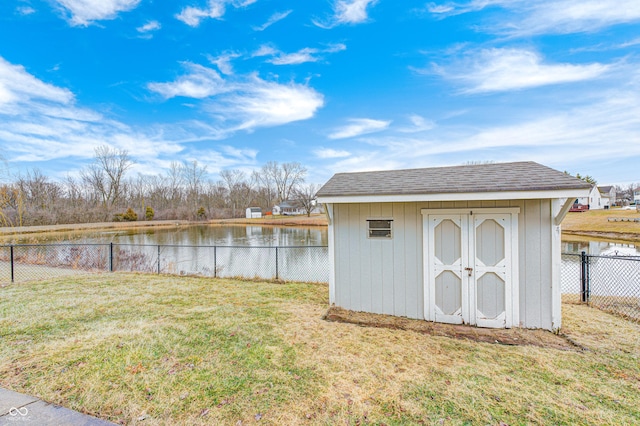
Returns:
point(610, 283)
point(19, 263)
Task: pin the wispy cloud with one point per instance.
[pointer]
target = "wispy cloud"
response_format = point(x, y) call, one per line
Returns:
point(304, 55)
point(149, 26)
point(495, 70)
point(223, 62)
point(41, 122)
point(215, 9)
point(548, 16)
point(418, 124)
point(359, 126)
point(347, 12)
point(276, 17)
point(192, 16)
point(243, 102)
point(201, 82)
point(25, 10)
point(328, 153)
point(84, 12)
point(18, 86)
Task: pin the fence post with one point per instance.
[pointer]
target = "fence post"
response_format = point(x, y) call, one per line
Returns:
point(11, 257)
point(215, 263)
point(584, 277)
point(158, 259)
point(110, 257)
point(276, 262)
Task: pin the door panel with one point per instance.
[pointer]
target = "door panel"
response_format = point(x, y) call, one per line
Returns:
point(492, 262)
point(448, 288)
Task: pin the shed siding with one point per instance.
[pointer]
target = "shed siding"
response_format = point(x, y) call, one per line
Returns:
point(385, 276)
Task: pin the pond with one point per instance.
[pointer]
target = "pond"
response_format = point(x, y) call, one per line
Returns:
point(290, 253)
point(604, 248)
point(193, 235)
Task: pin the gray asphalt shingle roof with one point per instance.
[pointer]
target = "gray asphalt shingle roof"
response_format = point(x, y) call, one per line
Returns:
point(498, 177)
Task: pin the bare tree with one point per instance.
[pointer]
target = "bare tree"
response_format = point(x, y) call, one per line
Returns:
point(238, 190)
point(306, 195)
point(106, 175)
point(193, 178)
point(285, 177)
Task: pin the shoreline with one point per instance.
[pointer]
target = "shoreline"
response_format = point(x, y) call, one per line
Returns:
point(285, 221)
point(315, 220)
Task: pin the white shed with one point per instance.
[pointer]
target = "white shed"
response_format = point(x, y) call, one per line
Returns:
point(477, 244)
point(254, 213)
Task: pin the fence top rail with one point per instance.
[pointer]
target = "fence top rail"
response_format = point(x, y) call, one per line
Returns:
point(150, 245)
point(54, 245)
point(606, 256)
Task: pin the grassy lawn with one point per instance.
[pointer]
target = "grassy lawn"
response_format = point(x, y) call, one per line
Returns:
point(142, 349)
point(596, 222)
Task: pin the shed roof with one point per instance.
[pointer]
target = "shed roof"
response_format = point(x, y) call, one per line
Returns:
point(517, 177)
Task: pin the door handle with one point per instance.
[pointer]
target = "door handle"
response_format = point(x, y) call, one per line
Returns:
point(469, 270)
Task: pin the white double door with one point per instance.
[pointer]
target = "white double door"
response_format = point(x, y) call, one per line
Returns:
point(469, 268)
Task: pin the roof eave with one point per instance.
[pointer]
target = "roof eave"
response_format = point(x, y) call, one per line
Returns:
point(458, 196)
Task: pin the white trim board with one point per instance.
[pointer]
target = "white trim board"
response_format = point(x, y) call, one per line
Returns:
point(462, 196)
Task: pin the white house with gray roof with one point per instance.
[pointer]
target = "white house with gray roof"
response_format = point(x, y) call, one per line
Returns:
point(476, 244)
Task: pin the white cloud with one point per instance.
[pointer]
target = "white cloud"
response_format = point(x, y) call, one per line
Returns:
point(201, 82)
point(18, 86)
point(276, 17)
point(549, 16)
point(215, 9)
point(299, 57)
point(223, 62)
point(25, 10)
point(494, 70)
point(243, 102)
point(192, 16)
point(149, 26)
point(418, 124)
point(259, 103)
point(84, 12)
point(359, 126)
point(40, 122)
point(352, 11)
point(265, 50)
point(330, 153)
point(347, 12)
point(307, 54)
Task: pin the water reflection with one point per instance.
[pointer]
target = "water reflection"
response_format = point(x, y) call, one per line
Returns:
point(603, 248)
point(197, 235)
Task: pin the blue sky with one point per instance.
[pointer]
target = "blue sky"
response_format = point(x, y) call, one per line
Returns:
point(344, 85)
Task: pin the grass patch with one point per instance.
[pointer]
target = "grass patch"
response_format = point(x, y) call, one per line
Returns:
point(143, 349)
point(595, 223)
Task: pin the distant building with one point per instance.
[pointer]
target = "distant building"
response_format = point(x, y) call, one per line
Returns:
point(254, 212)
point(608, 195)
point(288, 208)
point(636, 196)
point(593, 201)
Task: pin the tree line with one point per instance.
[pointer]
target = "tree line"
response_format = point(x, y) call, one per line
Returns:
point(105, 191)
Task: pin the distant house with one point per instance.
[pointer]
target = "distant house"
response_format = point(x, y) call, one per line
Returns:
point(475, 244)
point(636, 196)
point(288, 208)
point(593, 200)
point(608, 195)
point(254, 212)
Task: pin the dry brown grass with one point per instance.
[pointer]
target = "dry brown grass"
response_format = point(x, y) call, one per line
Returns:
point(594, 223)
point(141, 349)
